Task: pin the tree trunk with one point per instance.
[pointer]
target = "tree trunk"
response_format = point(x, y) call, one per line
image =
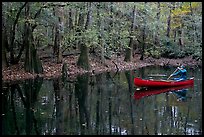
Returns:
point(157, 43)
point(180, 32)
point(76, 18)
point(28, 59)
point(175, 30)
point(143, 44)
point(57, 51)
point(193, 26)
point(101, 34)
point(128, 55)
point(168, 28)
point(83, 60)
point(4, 42)
point(59, 29)
point(110, 28)
point(12, 56)
point(4, 58)
point(32, 61)
point(143, 37)
point(70, 20)
point(37, 62)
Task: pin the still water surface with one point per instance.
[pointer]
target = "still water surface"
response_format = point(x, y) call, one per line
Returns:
point(104, 104)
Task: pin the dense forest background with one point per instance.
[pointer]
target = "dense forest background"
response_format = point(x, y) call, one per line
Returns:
point(32, 31)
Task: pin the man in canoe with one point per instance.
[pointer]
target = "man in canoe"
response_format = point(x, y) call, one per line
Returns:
point(180, 71)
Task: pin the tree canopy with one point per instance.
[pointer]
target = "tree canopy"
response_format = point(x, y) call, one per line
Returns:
point(104, 28)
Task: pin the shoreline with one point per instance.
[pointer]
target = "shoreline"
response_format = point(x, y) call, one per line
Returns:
point(53, 70)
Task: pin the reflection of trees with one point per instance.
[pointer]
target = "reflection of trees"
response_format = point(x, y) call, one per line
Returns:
point(99, 90)
point(31, 88)
point(13, 109)
point(71, 113)
point(5, 109)
point(107, 108)
point(81, 90)
point(117, 103)
point(109, 90)
point(109, 105)
point(57, 84)
point(129, 76)
point(156, 116)
point(9, 122)
point(28, 95)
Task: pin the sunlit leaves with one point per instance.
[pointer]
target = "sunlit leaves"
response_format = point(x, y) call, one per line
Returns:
point(183, 10)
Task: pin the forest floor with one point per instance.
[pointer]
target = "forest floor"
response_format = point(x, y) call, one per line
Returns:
point(53, 70)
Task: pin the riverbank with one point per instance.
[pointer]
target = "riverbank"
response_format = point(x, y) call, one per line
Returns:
point(53, 70)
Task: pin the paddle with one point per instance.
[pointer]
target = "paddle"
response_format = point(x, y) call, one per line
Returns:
point(172, 73)
point(157, 75)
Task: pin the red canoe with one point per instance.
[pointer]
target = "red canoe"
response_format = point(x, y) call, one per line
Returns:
point(149, 92)
point(161, 83)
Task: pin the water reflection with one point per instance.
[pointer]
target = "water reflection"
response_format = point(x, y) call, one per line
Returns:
point(180, 92)
point(81, 93)
point(27, 94)
point(105, 104)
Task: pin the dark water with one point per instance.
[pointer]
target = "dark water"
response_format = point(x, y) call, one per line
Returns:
point(104, 104)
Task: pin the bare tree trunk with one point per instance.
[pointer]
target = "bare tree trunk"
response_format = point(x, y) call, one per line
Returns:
point(157, 26)
point(28, 58)
point(70, 20)
point(4, 45)
point(101, 35)
point(193, 21)
point(110, 28)
point(143, 43)
point(180, 33)
point(83, 60)
point(12, 58)
point(32, 61)
point(143, 37)
point(175, 32)
point(128, 55)
point(193, 26)
point(59, 30)
point(4, 59)
point(168, 27)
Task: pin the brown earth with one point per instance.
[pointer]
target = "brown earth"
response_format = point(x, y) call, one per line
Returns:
point(53, 70)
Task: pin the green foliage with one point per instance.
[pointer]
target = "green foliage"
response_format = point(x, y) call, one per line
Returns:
point(116, 36)
point(196, 51)
point(172, 51)
point(153, 52)
point(91, 37)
